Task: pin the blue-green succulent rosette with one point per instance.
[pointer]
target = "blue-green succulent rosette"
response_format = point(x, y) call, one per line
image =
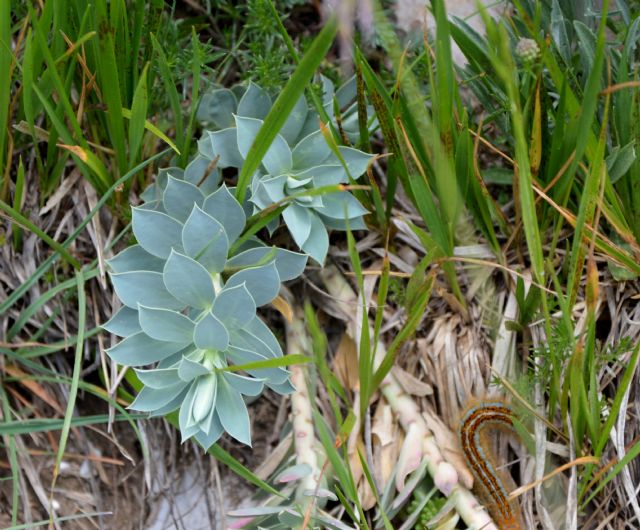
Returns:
point(190, 307)
point(298, 162)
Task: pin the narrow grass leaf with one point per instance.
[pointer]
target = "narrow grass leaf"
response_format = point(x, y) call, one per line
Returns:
point(137, 122)
point(18, 197)
point(13, 459)
point(5, 79)
point(73, 390)
point(55, 424)
point(285, 360)
point(126, 113)
point(21, 220)
point(172, 91)
point(109, 76)
point(365, 353)
point(374, 489)
point(44, 267)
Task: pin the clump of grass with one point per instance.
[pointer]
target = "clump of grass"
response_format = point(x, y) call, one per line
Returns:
point(530, 186)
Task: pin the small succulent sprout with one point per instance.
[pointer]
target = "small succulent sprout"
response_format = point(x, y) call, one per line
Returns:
point(296, 167)
point(190, 308)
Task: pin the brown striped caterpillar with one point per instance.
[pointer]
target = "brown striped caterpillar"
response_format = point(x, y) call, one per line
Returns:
point(492, 484)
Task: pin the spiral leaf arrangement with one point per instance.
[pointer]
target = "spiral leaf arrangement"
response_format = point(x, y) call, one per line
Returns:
point(191, 285)
point(191, 308)
point(298, 161)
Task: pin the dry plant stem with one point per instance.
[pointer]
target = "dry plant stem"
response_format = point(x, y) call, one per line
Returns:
point(442, 472)
point(303, 433)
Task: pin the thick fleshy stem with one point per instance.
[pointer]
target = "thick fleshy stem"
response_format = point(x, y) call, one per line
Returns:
point(301, 411)
point(419, 443)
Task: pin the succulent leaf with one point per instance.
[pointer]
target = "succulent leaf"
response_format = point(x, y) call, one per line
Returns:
point(243, 356)
point(140, 349)
point(249, 386)
point(311, 151)
point(218, 107)
point(223, 144)
point(143, 287)
point(205, 397)
point(215, 430)
point(356, 161)
point(179, 197)
point(189, 370)
point(223, 207)
point(255, 103)
point(204, 239)
point(165, 325)
point(263, 283)
point(135, 258)
point(298, 221)
point(341, 205)
point(123, 323)
point(158, 378)
point(211, 334)
point(288, 264)
point(234, 306)
point(291, 129)
point(317, 244)
point(190, 308)
point(188, 281)
point(187, 427)
point(300, 159)
point(233, 412)
point(260, 330)
point(150, 399)
point(156, 232)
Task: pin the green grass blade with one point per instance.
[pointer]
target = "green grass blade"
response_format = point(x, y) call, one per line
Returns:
point(73, 390)
point(630, 456)
point(285, 360)
point(342, 471)
point(109, 76)
point(414, 318)
point(172, 91)
point(126, 113)
point(383, 291)
point(368, 475)
point(80, 157)
point(365, 351)
point(589, 196)
point(317, 102)
point(284, 104)
point(383, 107)
point(222, 456)
point(504, 65)
point(27, 313)
point(56, 424)
point(5, 80)
point(197, 61)
point(255, 223)
point(137, 122)
point(17, 203)
point(13, 458)
point(319, 346)
point(44, 267)
point(21, 220)
point(621, 389)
